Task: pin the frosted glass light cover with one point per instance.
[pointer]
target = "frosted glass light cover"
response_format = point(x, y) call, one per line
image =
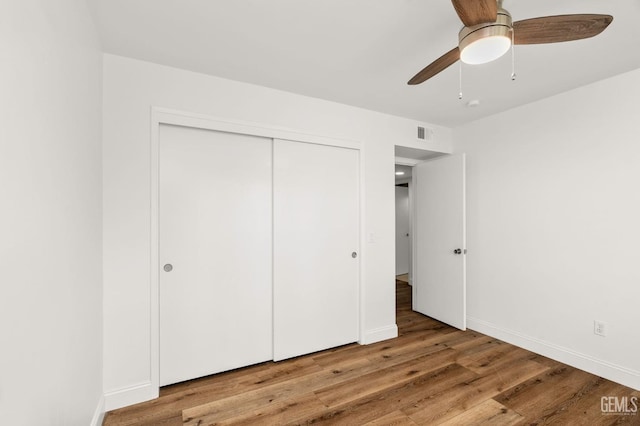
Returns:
point(485, 50)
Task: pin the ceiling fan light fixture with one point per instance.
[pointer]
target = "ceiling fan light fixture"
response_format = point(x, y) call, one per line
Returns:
point(485, 49)
point(486, 42)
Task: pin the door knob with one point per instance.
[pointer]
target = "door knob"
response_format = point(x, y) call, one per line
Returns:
point(168, 267)
point(354, 254)
point(457, 251)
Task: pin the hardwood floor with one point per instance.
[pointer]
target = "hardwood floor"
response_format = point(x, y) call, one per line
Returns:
point(430, 374)
point(403, 278)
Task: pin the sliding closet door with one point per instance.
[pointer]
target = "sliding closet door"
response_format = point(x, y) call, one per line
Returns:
point(316, 250)
point(215, 227)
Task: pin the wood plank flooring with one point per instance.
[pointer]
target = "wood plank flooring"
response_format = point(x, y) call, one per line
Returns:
point(404, 278)
point(430, 374)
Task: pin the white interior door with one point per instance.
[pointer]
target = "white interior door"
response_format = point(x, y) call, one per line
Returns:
point(215, 227)
point(402, 230)
point(316, 247)
point(439, 280)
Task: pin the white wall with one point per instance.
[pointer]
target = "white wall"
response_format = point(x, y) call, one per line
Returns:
point(553, 226)
point(50, 214)
point(403, 242)
point(131, 88)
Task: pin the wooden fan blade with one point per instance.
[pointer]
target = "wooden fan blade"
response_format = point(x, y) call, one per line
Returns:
point(443, 62)
point(474, 12)
point(555, 29)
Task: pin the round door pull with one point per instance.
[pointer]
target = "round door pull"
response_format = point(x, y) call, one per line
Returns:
point(168, 267)
point(457, 251)
point(354, 254)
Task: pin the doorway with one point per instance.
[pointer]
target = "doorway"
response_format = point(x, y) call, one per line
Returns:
point(403, 222)
point(437, 234)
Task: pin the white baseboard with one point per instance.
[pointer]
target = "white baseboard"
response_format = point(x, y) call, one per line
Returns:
point(379, 334)
point(98, 415)
point(613, 372)
point(129, 396)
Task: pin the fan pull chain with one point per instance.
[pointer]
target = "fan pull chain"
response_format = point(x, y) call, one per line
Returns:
point(513, 57)
point(460, 82)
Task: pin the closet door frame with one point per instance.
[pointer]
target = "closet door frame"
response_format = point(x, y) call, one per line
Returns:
point(168, 116)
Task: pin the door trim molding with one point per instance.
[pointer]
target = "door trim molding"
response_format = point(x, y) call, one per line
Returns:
point(167, 116)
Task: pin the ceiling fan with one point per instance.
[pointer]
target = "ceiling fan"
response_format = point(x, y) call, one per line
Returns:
point(489, 32)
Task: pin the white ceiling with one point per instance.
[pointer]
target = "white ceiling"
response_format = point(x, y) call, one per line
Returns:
point(362, 52)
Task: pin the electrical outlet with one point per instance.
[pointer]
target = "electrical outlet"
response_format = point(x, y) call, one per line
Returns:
point(599, 328)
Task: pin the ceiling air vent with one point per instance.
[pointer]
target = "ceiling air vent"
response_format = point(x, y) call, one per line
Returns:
point(424, 133)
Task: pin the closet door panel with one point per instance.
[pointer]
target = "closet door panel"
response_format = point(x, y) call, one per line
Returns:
point(316, 247)
point(215, 227)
